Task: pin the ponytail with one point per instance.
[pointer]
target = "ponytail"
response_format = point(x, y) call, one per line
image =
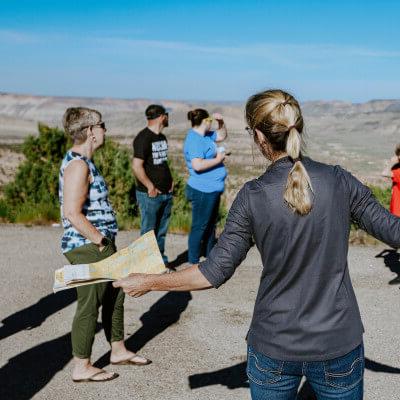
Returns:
point(298, 186)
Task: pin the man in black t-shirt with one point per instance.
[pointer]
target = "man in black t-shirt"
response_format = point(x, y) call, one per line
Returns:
point(153, 176)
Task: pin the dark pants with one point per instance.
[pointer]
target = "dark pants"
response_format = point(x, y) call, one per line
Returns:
point(90, 298)
point(205, 208)
point(339, 378)
point(155, 213)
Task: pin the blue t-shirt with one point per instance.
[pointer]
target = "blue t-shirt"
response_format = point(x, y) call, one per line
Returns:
point(198, 146)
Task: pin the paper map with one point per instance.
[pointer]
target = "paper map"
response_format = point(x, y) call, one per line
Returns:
point(142, 256)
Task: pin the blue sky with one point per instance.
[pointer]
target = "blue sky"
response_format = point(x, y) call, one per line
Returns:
point(201, 50)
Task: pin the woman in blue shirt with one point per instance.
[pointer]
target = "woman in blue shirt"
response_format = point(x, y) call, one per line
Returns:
point(206, 183)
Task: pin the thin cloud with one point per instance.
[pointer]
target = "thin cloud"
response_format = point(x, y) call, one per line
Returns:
point(285, 54)
point(309, 54)
point(17, 37)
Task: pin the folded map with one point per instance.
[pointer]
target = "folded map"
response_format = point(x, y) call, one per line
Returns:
point(142, 256)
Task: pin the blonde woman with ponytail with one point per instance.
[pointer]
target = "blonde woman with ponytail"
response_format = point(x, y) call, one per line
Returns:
point(306, 319)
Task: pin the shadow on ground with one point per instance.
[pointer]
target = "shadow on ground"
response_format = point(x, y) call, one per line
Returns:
point(34, 315)
point(162, 314)
point(235, 377)
point(391, 258)
point(179, 260)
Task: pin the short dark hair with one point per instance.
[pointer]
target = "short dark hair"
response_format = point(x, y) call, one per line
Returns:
point(197, 115)
point(154, 111)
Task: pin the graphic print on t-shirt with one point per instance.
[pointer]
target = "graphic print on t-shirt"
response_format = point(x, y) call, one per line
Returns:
point(159, 152)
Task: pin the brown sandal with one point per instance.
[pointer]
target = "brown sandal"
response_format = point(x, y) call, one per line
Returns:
point(131, 362)
point(90, 379)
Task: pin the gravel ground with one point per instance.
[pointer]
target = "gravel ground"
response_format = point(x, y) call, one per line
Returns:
point(196, 340)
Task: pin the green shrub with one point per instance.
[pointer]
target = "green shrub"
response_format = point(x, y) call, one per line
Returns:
point(33, 195)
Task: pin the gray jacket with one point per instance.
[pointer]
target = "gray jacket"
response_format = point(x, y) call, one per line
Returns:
point(305, 309)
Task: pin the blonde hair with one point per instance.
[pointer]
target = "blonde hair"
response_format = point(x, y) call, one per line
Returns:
point(277, 115)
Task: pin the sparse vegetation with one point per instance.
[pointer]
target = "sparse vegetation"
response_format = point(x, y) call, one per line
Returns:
point(32, 197)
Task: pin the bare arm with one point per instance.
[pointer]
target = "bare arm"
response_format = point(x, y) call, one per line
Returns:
point(225, 257)
point(201, 164)
point(140, 173)
point(222, 132)
point(189, 279)
point(76, 184)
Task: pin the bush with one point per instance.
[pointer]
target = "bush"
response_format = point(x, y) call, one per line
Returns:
point(33, 195)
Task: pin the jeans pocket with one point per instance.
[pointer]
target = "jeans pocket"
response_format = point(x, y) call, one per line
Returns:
point(346, 371)
point(263, 370)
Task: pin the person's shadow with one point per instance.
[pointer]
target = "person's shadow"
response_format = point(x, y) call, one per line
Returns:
point(30, 371)
point(161, 315)
point(34, 315)
point(391, 258)
point(179, 260)
point(235, 377)
point(26, 374)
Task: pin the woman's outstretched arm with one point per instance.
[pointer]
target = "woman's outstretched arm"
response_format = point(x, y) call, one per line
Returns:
point(189, 279)
point(231, 249)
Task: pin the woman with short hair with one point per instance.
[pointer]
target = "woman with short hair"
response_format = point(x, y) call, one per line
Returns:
point(90, 228)
point(207, 173)
point(306, 320)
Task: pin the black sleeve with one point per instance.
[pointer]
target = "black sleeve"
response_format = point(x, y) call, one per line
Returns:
point(369, 214)
point(141, 147)
point(233, 244)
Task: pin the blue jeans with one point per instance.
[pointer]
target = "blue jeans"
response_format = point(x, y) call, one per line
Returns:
point(155, 214)
point(205, 208)
point(339, 378)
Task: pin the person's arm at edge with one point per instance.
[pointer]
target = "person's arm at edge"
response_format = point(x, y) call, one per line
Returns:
point(76, 183)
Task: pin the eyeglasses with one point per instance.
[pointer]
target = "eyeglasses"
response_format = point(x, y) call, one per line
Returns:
point(249, 131)
point(102, 125)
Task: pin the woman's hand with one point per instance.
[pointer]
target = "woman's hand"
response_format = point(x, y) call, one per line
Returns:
point(218, 117)
point(135, 285)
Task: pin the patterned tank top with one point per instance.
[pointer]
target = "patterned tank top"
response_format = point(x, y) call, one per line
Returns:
point(97, 208)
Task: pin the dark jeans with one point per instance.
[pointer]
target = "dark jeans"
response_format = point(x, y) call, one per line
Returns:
point(155, 214)
point(339, 378)
point(205, 208)
point(90, 298)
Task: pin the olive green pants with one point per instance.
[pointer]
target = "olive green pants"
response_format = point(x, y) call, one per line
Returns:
point(90, 298)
